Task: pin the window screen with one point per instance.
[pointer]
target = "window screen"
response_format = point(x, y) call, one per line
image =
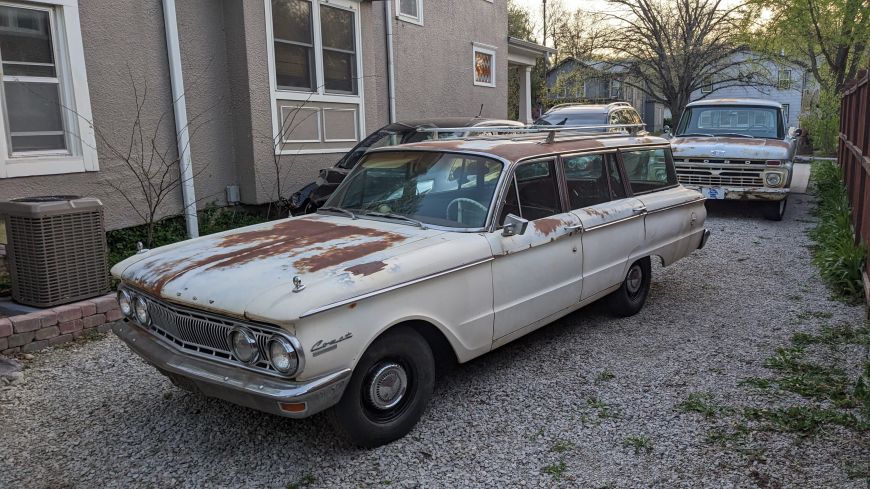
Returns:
point(648, 170)
point(294, 44)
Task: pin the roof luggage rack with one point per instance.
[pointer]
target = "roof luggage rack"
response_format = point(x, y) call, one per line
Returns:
point(548, 133)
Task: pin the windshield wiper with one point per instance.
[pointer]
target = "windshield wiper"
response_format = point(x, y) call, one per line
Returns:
point(338, 209)
point(691, 134)
point(399, 217)
point(736, 135)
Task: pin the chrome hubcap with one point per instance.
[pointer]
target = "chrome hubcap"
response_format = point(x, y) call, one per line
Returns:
point(387, 386)
point(634, 279)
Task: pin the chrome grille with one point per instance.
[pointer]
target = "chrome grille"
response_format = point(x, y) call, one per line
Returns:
point(741, 176)
point(205, 334)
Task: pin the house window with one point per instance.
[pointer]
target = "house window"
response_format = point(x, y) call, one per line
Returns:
point(296, 47)
point(410, 11)
point(784, 81)
point(615, 86)
point(46, 120)
point(316, 75)
point(484, 65)
point(708, 88)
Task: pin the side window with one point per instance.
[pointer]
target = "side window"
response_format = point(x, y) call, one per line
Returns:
point(649, 169)
point(617, 188)
point(535, 193)
point(587, 180)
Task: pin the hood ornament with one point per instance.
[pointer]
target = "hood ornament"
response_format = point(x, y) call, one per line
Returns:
point(297, 284)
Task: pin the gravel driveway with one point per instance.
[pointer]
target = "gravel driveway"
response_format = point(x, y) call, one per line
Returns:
point(589, 401)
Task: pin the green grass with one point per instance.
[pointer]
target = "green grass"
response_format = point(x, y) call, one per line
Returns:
point(839, 260)
point(606, 375)
point(804, 420)
point(306, 481)
point(638, 443)
point(562, 446)
point(604, 410)
point(701, 403)
point(555, 470)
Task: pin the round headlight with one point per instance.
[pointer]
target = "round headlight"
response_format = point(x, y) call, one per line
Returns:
point(283, 355)
point(773, 179)
point(141, 308)
point(244, 345)
point(125, 301)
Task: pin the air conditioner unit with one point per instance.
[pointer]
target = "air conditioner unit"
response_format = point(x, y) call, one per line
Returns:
point(56, 249)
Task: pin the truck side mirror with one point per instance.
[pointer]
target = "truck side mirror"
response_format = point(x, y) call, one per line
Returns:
point(514, 226)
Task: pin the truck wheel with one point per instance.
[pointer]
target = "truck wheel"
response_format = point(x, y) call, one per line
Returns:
point(629, 299)
point(388, 391)
point(774, 211)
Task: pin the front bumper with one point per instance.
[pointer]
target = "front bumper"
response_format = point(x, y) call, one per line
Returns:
point(236, 385)
point(747, 193)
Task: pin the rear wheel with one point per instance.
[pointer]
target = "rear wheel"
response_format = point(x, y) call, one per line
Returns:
point(389, 389)
point(629, 299)
point(775, 211)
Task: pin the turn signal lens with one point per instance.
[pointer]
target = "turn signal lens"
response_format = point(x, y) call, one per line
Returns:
point(292, 407)
point(773, 163)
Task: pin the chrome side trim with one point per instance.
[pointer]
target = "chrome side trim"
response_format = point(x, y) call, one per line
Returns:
point(318, 310)
point(604, 225)
point(702, 199)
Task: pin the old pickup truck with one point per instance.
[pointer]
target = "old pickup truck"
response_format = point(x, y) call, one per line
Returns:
point(736, 149)
point(427, 253)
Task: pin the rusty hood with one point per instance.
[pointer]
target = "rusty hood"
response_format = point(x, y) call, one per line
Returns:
point(254, 267)
point(731, 148)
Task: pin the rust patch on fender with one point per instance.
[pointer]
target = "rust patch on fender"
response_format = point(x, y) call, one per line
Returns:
point(547, 225)
point(366, 269)
point(288, 239)
point(596, 212)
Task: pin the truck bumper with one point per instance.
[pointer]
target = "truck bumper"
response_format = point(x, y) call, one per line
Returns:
point(257, 391)
point(746, 193)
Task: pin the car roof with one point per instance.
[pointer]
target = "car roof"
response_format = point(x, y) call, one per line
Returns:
point(736, 101)
point(518, 148)
point(587, 108)
point(449, 122)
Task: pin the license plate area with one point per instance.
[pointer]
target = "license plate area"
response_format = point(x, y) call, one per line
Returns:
point(713, 193)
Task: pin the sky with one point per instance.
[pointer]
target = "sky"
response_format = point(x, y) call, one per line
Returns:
point(535, 8)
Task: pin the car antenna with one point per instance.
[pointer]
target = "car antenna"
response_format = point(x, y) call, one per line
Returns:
point(481, 111)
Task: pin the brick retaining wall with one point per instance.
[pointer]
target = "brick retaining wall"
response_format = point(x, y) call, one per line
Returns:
point(37, 330)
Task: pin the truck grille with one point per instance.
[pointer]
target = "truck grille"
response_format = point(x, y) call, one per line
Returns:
point(205, 335)
point(689, 172)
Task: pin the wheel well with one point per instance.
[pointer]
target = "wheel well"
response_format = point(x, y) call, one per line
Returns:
point(445, 357)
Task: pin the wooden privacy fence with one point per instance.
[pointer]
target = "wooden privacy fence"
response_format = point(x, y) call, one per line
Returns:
point(853, 152)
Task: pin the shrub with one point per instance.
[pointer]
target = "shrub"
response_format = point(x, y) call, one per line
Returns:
point(822, 122)
point(839, 259)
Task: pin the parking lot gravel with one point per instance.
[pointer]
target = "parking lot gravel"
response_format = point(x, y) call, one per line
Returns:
point(589, 401)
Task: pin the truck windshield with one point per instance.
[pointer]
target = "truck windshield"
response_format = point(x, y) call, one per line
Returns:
point(443, 189)
point(732, 121)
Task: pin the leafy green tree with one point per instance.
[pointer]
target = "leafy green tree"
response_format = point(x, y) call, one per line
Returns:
point(520, 25)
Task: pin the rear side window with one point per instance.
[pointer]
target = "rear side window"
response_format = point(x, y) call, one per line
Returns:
point(534, 192)
point(587, 180)
point(649, 170)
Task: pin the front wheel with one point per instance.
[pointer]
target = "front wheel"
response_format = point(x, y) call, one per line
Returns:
point(629, 299)
point(775, 211)
point(389, 389)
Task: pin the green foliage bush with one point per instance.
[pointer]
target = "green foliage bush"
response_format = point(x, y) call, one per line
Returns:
point(122, 242)
point(839, 260)
point(822, 121)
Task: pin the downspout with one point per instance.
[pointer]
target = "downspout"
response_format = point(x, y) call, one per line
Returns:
point(391, 68)
point(179, 103)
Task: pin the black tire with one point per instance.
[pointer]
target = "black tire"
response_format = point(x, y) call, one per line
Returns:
point(368, 416)
point(629, 299)
point(774, 211)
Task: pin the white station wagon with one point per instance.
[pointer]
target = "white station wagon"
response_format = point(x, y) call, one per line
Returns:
point(427, 253)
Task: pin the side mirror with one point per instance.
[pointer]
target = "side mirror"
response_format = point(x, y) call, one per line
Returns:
point(666, 129)
point(514, 226)
point(797, 132)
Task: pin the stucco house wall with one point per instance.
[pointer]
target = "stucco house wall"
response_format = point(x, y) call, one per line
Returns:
point(225, 59)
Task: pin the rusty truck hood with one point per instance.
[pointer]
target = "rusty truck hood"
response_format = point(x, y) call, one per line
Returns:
point(249, 272)
point(731, 148)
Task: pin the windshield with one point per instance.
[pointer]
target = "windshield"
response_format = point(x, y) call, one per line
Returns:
point(387, 136)
point(443, 189)
point(732, 121)
point(563, 119)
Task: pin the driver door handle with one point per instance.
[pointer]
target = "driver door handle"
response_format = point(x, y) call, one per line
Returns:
point(639, 210)
point(576, 227)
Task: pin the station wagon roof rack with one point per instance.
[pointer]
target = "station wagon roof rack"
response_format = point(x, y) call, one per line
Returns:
point(621, 103)
point(549, 133)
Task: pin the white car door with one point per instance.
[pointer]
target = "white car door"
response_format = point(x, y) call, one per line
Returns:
point(538, 273)
point(675, 215)
point(613, 228)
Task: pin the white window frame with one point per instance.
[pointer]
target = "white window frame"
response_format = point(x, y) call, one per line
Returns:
point(484, 49)
point(81, 153)
point(708, 88)
point(319, 95)
point(784, 83)
point(410, 18)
